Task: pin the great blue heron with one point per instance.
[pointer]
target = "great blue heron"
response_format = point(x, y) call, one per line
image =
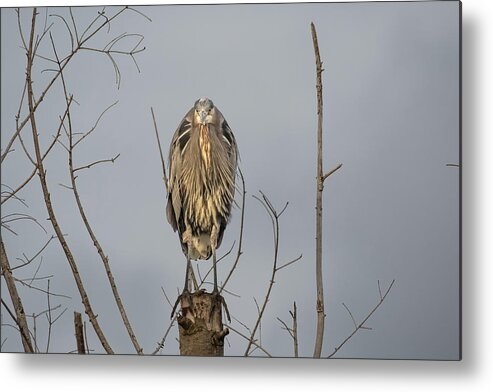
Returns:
point(202, 171)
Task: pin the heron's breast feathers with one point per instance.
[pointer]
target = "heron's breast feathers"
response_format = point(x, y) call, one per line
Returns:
point(205, 146)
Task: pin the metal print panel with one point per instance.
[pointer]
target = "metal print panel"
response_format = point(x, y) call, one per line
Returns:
point(264, 180)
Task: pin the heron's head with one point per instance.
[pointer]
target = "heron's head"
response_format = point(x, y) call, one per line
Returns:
point(204, 111)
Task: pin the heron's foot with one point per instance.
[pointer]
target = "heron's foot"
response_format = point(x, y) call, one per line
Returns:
point(185, 298)
point(217, 301)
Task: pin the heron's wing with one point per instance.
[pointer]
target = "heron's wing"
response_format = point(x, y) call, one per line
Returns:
point(229, 139)
point(229, 142)
point(178, 145)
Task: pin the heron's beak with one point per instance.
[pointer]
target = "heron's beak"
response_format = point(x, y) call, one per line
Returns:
point(203, 115)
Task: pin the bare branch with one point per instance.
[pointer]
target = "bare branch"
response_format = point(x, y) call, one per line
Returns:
point(12, 194)
point(163, 165)
point(293, 331)
point(250, 341)
point(17, 128)
point(21, 34)
point(101, 14)
point(19, 317)
point(95, 124)
point(140, 13)
point(166, 296)
point(242, 324)
point(31, 286)
point(285, 327)
point(18, 216)
point(290, 262)
point(50, 322)
point(350, 314)
point(40, 38)
point(72, 42)
point(25, 150)
point(324, 177)
point(166, 333)
point(112, 160)
point(361, 325)
point(75, 25)
point(31, 259)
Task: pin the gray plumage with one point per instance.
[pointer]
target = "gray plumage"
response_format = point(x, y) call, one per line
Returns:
point(202, 170)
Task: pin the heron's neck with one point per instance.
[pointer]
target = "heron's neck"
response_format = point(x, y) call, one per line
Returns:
point(205, 145)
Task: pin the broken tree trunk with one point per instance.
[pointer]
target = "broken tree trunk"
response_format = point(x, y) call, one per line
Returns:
point(201, 332)
point(79, 333)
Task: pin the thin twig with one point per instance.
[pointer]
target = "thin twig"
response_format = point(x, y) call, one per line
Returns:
point(293, 331)
point(50, 322)
point(112, 160)
point(163, 165)
point(167, 298)
point(290, 263)
point(324, 177)
point(18, 216)
point(31, 286)
point(29, 260)
point(166, 333)
point(95, 124)
point(361, 325)
point(350, 314)
point(250, 341)
point(242, 324)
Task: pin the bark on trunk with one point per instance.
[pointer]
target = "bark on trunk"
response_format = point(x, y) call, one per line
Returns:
point(79, 333)
point(201, 332)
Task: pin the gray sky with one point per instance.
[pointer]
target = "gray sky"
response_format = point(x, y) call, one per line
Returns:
point(391, 98)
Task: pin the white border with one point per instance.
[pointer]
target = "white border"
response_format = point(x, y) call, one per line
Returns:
point(129, 373)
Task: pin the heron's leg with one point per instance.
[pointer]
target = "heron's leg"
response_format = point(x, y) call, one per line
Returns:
point(187, 274)
point(186, 292)
point(215, 271)
point(217, 299)
point(214, 260)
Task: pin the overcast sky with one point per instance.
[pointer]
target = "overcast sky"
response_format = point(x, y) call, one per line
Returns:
point(391, 96)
